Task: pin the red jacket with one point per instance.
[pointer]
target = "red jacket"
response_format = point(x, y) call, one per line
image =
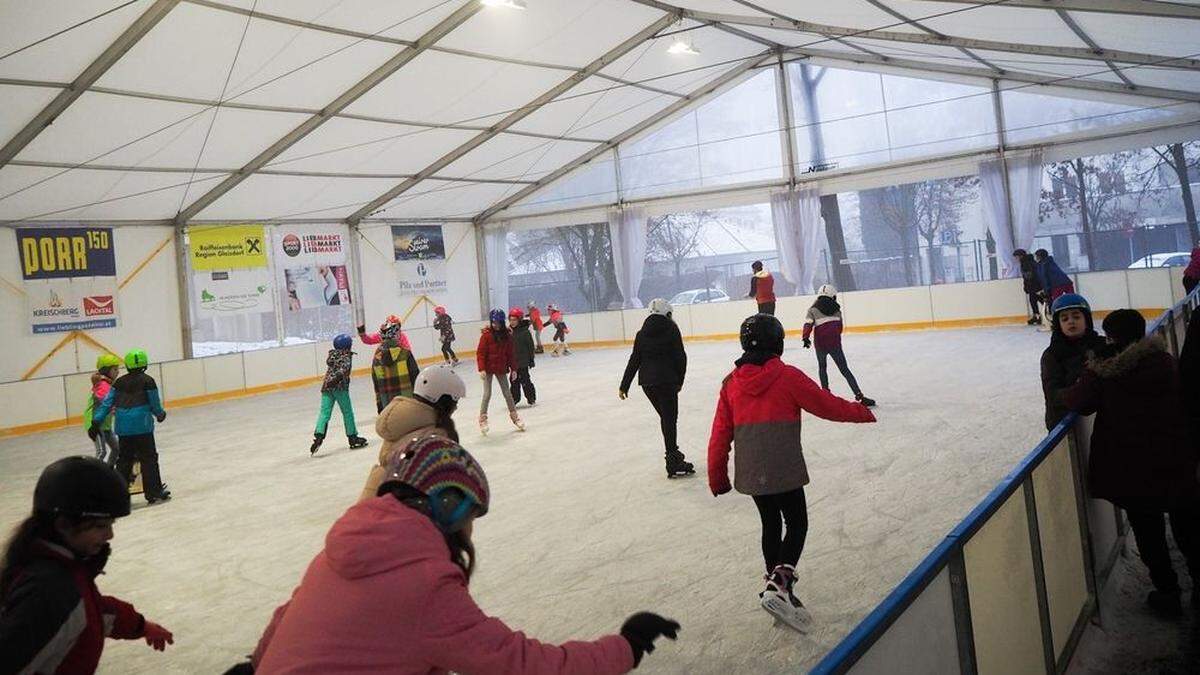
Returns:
point(54, 620)
point(759, 412)
point(1192, 271)
point(535, 317)
point(495, 356)
point(763, 287)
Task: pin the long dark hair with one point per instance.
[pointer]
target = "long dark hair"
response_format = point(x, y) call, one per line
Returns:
point(462, 551)
point(444, 407)
point(827, 305)
point(18, 551)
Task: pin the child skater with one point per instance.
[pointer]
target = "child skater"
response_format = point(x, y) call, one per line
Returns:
point(496, 359)
point(134, 397)
point(336, 388)
point(400, 564)
point(376, 338)
point(760, 406)
point(394, 369)
point(523, 351)
point(660, 363)
point(824, 326)
point(535, 318)
point(445, 328)
point(108, 366)
point(560, 331)
point(53, 619)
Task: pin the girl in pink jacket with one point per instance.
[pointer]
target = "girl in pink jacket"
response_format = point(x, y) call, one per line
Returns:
point(375, 338)
point(389, 592)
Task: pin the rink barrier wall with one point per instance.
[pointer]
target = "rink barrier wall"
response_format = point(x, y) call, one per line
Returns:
point(1013, 586)
point(54, 402)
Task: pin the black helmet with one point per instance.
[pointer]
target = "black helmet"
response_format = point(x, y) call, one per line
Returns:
point(762, 333)
point(81, 486)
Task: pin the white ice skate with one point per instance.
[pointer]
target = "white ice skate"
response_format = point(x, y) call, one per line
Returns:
point(781, 603)
point(516, 420)
point(483, 424)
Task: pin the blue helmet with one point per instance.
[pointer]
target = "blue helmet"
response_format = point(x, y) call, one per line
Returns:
point(343, 341)
point(1070, 301)
point(497, 316)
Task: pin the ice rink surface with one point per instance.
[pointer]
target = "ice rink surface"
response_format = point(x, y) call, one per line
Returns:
point(584, 527)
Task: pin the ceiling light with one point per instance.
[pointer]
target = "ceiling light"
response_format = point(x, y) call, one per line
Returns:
point(510, 4)
point(681, 47)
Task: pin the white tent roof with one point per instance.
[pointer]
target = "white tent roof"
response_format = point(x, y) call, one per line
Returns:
point(344, 109)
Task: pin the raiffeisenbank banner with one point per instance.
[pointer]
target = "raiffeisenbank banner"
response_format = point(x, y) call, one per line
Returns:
point(70, 276)
point(229, 270)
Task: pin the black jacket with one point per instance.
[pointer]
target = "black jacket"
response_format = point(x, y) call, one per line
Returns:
point(658, 355)
point(523, 344)
point(1029, 278)
point(1062, 364)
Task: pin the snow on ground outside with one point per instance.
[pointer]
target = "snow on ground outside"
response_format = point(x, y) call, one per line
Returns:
point(585, 528)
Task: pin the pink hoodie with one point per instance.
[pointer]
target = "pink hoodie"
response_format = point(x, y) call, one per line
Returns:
point(374, 339)
point(384, 597)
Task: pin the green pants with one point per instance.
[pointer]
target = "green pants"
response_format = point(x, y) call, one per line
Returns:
point(342, 396)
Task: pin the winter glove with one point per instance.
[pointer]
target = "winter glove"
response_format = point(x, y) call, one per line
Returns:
point(642, 629)
point(162, 416)
point(718, 493)
point(93, 431)
point(807, 343)
point(243, 668)
point(362, 330)
point(483, 376)
point(622, 394)
point(158, 637)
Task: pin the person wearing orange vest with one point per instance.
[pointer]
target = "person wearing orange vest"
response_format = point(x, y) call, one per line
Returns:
point(535, 318)
point(762, 288)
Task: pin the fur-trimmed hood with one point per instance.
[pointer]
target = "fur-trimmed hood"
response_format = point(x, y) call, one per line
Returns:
point(1125, 361)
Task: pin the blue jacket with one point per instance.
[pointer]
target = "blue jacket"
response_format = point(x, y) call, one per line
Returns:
point(135, 397)
point(1051, 275)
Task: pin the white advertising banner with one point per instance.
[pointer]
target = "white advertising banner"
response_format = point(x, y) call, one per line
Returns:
point(420, 253)
point(73, 303)
point(310, 262)
point(228, 292)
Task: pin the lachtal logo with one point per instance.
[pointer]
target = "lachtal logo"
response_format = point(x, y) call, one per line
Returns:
point(291, 245)
point(98, 305)
point(55, 301)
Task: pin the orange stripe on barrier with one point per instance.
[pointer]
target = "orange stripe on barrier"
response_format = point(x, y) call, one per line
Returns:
point(67, 339)
point(145, 261)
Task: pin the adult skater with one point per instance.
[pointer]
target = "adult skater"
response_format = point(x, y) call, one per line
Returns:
point(1053, 280)
point(335, 388)
point(660, 362)
point(535, 318)
point(823, 326)
point(1030, 283)
point(429, 412)
point(1072, 336)
point(394, 368)
point(53, 619)
point(762, 288)
point(496, 359)
point(445, 328)
point(108, 367)
point(523, 351)
point(759, 412)
point(400, 565)
point(134, 397)
point(1141, 458)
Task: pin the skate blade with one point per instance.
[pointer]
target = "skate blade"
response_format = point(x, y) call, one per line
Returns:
point(784, 614)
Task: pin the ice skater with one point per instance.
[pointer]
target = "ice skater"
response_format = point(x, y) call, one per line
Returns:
point(523, 351)
point(823, 327)
point(400, 564)
point(375, 338)
point(760, 406)
point(134, 397)
point(108, 366)
point(496, 359)
point(560, 331)
point(336, 389)
point(660, 362)
point(1030, 284)
point(53, 619)
point(445, 328)
point(762, 288)
point(1072, 338)
point(1053, 280)
point(535, 318)
point(394, 368)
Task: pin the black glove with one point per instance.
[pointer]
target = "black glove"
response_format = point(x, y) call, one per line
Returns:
point(161, 417)
point(362, 330)
point(244, 668)
point(807, 343)
point(642, 629)
point(93, 431)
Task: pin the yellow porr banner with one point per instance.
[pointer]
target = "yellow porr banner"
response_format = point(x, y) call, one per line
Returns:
point(227, 247)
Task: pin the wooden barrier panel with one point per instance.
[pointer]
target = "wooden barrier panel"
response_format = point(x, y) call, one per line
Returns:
point(182, 379)
point(1150, 288)
point(27, 402)
point(923, 638)
point(1062, 543)
point(273, 366)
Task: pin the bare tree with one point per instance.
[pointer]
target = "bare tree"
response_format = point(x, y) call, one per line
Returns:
point(896, 205)
point(1183, 159)
point(675, 237)
point(938, 208)
point(584, 250)
point(1094, 188)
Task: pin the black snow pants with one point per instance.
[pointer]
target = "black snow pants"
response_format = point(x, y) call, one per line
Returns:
point(523, 382)
point(778, 547)
point(141, 448)
point(1150, 531)
point(665, 399)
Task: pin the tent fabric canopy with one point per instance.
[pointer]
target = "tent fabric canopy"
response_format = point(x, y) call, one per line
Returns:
point(118, 117)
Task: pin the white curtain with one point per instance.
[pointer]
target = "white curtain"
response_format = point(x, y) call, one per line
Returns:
point(798, 230)
point(627, 231)
point(1024, 193)
point(495, 247)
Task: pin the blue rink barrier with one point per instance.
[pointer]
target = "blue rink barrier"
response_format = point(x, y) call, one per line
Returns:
point(1012, 587)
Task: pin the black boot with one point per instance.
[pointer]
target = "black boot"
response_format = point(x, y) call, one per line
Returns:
point(678, 466)
point(356, 442)
point(318, 439)
point(869, 402)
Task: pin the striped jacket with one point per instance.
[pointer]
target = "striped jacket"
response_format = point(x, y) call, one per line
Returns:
point(54, 620)
point(393, 372)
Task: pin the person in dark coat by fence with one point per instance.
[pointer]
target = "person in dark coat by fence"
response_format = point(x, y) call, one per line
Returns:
point(1030, 283)
point(1072, 337)
point(523, 350)
point(1140, 456)
point(1053, 280)
point(660, 363)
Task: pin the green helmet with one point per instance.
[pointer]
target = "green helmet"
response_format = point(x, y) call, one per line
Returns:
point(107, 361)
point(136, 358)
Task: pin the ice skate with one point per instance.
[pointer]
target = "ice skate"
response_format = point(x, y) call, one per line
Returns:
point(516, 420)
point(164, 495)
point(1033, 321)
point(316, 444)
point(483, 424)
point(781, 603)
point(869, 402)
point(356, 442)
point(678, 466)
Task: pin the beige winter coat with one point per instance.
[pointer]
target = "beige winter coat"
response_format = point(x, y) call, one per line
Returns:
point(400, 422)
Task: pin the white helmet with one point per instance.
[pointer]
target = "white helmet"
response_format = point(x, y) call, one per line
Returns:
point(660, 307)
point(437, 381)
point(827, 291)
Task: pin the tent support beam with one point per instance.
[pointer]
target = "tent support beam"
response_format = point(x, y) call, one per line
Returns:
point(626, 46)
point(918, 25)
point(261, 172)
point(1087, 40)
point(693, 98)
point(934, 40)
point(95, 70)
point(1167, 10)
point(443, 28)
